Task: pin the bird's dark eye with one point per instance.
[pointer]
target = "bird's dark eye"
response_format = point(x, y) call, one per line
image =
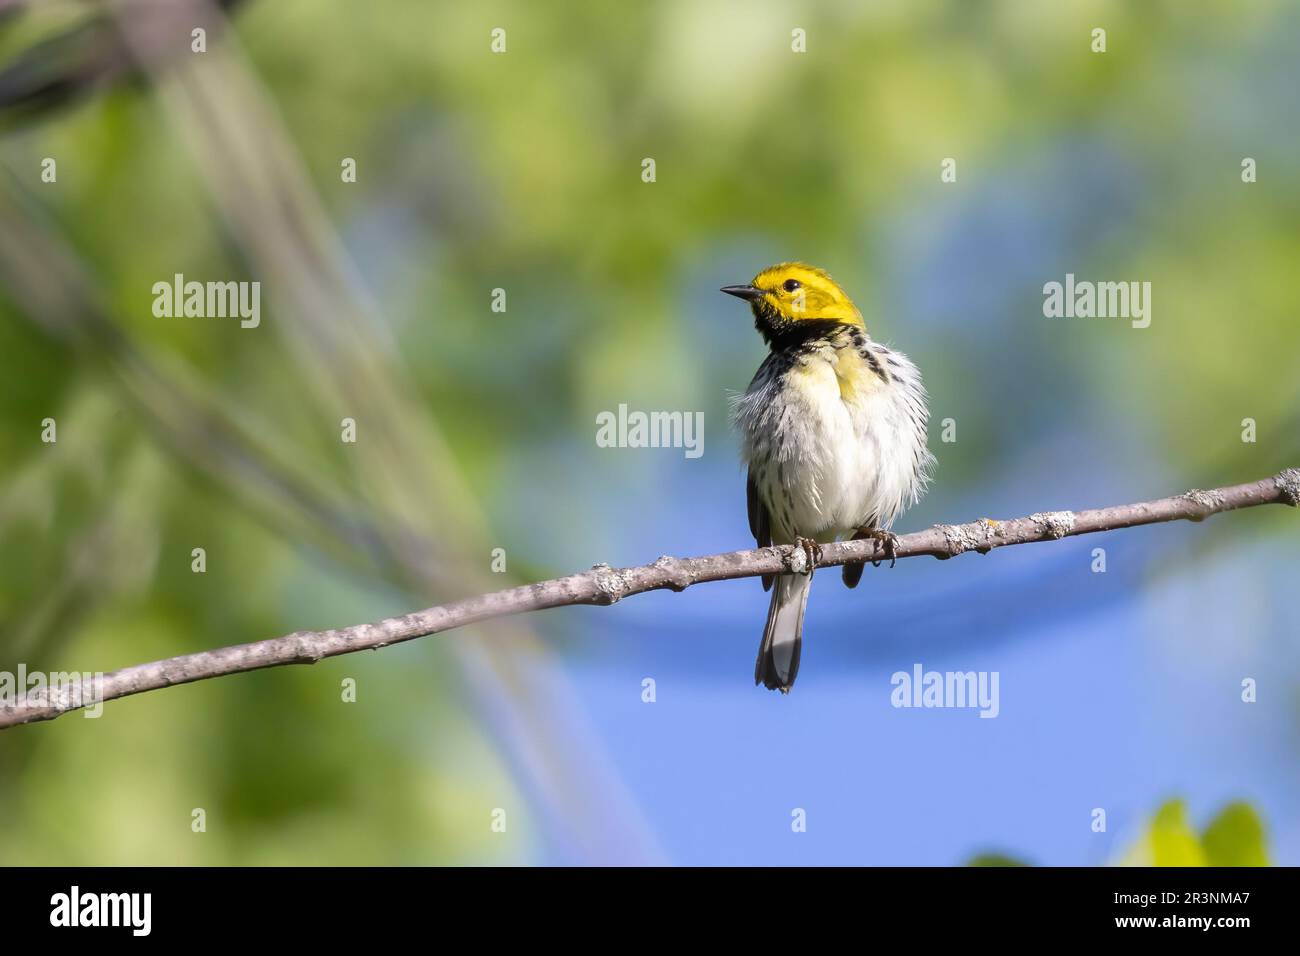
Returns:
point(791, 285)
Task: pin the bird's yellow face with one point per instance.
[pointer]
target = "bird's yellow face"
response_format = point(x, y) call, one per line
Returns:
point(786, 295)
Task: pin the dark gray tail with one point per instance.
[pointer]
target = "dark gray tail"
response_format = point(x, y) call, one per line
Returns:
point(778, 655)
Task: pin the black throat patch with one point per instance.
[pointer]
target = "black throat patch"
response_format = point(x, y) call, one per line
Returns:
point(784, 334)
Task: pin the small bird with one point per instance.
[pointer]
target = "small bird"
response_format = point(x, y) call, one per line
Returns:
point(833, 429)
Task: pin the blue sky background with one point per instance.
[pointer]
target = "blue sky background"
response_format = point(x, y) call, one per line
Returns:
point(1118, 690)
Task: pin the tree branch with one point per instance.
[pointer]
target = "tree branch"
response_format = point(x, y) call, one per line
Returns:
point(603, 585)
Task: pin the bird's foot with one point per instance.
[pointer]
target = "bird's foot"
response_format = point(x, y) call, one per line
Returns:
point(811, 550)
point(885, 545)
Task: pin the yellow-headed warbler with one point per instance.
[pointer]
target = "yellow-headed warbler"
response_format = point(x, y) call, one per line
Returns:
point(833, 428)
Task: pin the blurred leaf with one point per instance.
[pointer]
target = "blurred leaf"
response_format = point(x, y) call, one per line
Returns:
point(1173, 841)
point(995, 859)
point(1236, 837)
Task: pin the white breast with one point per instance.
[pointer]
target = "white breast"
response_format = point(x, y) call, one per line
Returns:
point(828, 459)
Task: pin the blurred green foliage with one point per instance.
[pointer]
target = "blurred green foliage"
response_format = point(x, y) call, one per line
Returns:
point(1234, 837)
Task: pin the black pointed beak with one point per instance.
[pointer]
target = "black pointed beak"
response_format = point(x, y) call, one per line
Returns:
point(747, 292)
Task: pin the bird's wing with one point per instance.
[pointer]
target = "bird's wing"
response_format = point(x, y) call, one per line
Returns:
point(760, 526)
